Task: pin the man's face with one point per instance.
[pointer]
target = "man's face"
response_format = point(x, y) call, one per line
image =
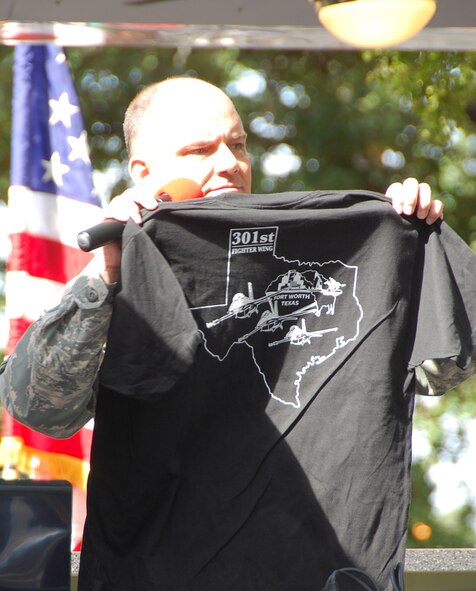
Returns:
point(200, 137)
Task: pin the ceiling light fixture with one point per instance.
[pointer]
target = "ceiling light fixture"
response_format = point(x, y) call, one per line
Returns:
point(374, 23)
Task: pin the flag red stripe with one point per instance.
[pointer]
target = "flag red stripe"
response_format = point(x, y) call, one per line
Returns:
point(17, 328)
point(42, 257)
point(72, 446)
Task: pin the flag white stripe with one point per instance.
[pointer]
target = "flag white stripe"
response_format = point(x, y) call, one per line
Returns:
point(33, 295)
point(49, 216)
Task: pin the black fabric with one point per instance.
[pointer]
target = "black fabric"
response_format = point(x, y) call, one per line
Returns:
point(165, 339)
point(254, 417)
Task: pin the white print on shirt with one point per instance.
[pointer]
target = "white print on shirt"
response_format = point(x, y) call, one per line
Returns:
point(292, 314)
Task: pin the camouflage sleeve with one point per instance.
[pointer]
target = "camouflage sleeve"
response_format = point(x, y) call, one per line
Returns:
point(49, 381)
point(435, 377)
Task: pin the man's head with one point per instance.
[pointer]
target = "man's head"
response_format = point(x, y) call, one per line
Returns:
point(187, 128)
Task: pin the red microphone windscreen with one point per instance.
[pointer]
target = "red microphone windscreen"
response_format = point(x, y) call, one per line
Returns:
point(181, 189)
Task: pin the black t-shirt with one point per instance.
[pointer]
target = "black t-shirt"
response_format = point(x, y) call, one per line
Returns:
point(254, 417)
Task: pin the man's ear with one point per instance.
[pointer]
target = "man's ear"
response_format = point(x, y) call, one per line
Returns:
point(138, 169)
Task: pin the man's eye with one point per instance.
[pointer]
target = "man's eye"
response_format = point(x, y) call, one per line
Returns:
point(198, 151)
point(239, 146)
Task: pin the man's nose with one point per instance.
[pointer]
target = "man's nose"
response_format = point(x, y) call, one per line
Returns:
point(225, 159)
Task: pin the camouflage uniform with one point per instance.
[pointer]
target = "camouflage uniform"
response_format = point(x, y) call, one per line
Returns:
point(50, 380)
point(435, 377)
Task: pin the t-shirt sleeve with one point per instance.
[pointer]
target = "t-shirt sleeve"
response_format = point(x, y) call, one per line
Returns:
point(153, 336)
point(443, 352)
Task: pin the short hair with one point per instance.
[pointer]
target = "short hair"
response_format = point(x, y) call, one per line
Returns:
point(135, 114)
point(141, 104)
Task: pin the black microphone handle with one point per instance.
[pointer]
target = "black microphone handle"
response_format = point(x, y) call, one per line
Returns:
point(111, 230)
point(100, 234)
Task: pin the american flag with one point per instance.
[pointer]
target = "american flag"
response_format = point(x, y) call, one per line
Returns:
point(51, 198)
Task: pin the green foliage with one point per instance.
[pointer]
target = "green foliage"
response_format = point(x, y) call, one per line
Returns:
point(6, 63)
point(443, 422)
point(338, 119)
point(317, 120)
point(453, 530)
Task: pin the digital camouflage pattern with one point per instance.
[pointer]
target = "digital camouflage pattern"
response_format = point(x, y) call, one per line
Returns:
point(49, 381)
point(438, 376)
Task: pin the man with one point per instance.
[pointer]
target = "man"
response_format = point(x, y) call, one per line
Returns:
point(179, 497)
point(180, 128)
point(209, 147)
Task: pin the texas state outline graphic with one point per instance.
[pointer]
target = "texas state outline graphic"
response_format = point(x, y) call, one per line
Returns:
point(293, 316)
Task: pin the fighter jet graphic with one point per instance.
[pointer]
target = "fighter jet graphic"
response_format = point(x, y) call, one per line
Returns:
point(302, 312)
point(301, 289)
point(299, 335)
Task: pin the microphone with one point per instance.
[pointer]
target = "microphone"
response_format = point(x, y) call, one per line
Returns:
point(179, 189)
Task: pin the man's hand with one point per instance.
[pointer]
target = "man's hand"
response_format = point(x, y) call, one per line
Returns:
point(121, 208)
point(411, 196)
